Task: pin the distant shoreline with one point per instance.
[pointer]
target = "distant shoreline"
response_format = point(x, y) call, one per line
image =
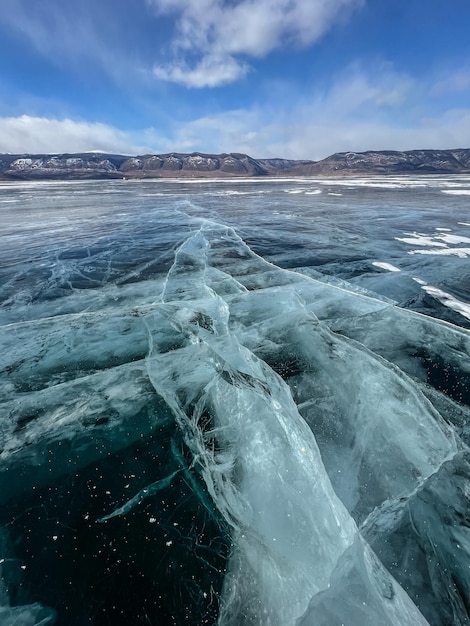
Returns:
point(197, 165)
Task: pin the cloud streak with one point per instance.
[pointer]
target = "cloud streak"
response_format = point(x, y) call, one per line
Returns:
point(27, 134)
point(213, 37)
point(458, 81)
point(210, 71)
point(310, 136)
point(58, 35)
point(360, 111)
point(85, 37)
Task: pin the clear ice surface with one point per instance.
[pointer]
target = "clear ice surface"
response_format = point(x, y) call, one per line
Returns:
point(322, 430)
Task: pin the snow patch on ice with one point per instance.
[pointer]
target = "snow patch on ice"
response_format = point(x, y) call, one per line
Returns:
point(448, 300)
point(462, 253)
point(418, 239)
point(386, 266)
point(457, 192)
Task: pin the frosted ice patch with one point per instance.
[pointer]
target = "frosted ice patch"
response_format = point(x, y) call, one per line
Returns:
point(463, 253)
point(380, 185)
point(440, 240)
point(230, 192)
point(418, 239)
point(449, 301)
point(453, 239)
point(381, 182)
point(386, 266)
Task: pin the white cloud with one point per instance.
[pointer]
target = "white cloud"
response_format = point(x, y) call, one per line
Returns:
point(358, 91)
point(304, 134)
point(224, 30)
point(457, 82)
point(361, 111)
point(318, 140)
point(44, 135)
point(231, 131)
point(211, 71)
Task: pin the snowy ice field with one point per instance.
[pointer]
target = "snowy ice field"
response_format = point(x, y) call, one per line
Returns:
point(235, 402)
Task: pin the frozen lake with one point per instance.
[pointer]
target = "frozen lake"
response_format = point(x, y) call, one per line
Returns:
point(235, 402)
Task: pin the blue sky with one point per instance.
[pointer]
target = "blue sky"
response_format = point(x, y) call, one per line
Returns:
point(272, 78)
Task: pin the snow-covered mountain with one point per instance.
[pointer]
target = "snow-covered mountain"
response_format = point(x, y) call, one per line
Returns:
point(101, 165)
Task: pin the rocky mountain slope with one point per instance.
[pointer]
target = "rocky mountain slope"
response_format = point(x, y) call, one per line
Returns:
point(393, 162)
point(103, 166)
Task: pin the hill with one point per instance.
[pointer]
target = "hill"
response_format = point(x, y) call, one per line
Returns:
point(105, 166)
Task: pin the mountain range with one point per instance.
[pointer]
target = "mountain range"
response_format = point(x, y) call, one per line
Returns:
point(92, 165)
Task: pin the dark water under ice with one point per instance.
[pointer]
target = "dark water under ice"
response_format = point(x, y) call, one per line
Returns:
point(235, 402)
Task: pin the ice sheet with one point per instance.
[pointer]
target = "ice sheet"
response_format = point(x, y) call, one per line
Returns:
point(286, 449)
